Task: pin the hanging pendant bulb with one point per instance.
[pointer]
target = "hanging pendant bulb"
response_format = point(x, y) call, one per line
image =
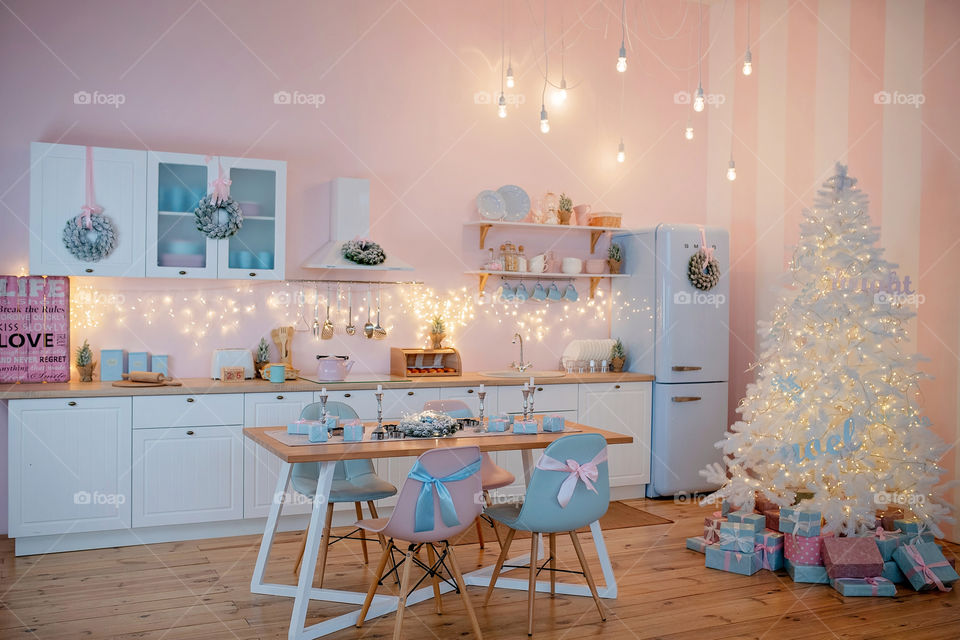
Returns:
point(731, 171)
point(544, 123)
point(688, 132)
point(510, 80)
point(560, 95)
point(621, 152)
point(747, 63)
point(698, 100)
point(502, 106)
point(622, 59)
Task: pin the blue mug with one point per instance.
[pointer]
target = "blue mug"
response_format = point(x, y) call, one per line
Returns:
point(278, 373)
point(571, 293)
point(539, 293)
point(553, 293)
point(506, 292)
point(521, 293)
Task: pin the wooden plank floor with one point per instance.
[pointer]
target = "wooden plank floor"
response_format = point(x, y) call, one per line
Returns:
point(200, 589)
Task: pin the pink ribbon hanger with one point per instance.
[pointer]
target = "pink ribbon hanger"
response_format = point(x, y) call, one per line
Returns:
point(707, 251)
point(923, 568)
point(90, 207)
point(220, 188)
point(587, 472)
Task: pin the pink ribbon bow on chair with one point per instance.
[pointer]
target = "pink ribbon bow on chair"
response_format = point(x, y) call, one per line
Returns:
point(587, 472)
point(91, 207)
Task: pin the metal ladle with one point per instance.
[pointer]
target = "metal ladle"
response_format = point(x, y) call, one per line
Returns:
point(327, 331)
point(351, 329)
point(379, 332)
point(368, 328)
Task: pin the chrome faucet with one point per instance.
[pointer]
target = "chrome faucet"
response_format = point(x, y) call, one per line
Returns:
point(520, 366)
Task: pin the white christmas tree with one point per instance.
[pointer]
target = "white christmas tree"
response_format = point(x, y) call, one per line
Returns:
point(834, 410)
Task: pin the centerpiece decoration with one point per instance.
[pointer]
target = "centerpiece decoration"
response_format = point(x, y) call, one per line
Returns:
point(428, 424)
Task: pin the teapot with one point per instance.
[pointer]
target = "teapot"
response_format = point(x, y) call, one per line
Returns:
point(333, 368)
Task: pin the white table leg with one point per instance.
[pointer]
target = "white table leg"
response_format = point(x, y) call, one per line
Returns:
point(314, 536)
point(256, 582)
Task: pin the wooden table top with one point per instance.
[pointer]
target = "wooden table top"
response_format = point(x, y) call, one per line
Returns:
point(326, 452)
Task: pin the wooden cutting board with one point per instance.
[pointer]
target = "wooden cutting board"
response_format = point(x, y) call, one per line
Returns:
point(130, 383)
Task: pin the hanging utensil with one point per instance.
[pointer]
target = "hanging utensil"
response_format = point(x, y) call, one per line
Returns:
point(368, 328)
point(327, 331)
point(316, 312)
point(379, 332)
point(351, 329)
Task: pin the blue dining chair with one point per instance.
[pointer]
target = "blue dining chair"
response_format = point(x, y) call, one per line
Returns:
point(354, 481)
point(569, 489)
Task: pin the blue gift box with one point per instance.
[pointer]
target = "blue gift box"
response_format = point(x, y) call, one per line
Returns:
point(726, 507)
point(497, 423)
point(864, 587)
point(769, 547)
point(916, 561)
point(745, 564)
point(907, 526)
point(698, 544)
point(524, 426)
point(113, 364)
point(318, 431)
point(806, 573)
point(300, 427)
point(353, 431)
point(892, 572)
point(887, 542)
point(138, 361)
point(553, 423)
point(914, 538)
point(735, 536)
point(800, 522)
point(160, 364)
point(749, 518)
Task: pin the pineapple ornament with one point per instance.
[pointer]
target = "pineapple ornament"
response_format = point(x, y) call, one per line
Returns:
point(85, 362)
point(618, 356)
point(437, 332)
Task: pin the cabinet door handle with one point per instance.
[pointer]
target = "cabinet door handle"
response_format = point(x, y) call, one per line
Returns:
point(616, 386)
point(89, 270)
point(409, 393)
point(279, 397)
point(253, 274)
point(680, 367)
point(189, 399)
point(686, 398)
point(190, 432)
point(183, 273)
point(469, 390)
point(71, 404)
point(539, 388)
point(346, 395)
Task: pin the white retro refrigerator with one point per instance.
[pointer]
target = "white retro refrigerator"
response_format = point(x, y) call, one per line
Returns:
point(680, 334)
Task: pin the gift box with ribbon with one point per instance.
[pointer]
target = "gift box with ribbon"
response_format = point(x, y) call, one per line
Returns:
point(803, 550)
point(851, 557)
point(318, 431)
point(889, 516)
point(754, 520)
point(711, 527)
point(762, 505)
point(887, 541)
point(300, 427)
point(806, 573)
point(908, 526)
point(772, 519)
point(917, 538)
point(524, 426)
point(924, 566)
point(768, 545)
point(498, 423)
point(799, 522)
point(553, 422)
point(875, 586)
point(735, 536)
point(892, 572)
point(745, 564)
point(352, 431)
point(698, 544)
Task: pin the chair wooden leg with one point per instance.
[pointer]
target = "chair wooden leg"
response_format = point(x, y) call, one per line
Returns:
point(493, 523)
point(532, 587)
point(504, 550)
point(587, 574)
point(404, 587)
point(325, 542)
point(479, 532)
point(383, 540)
point(363, 535)
point(431, 559)
point(373, 585)
point(553, 564)
point(458, 576)
point(303, 547)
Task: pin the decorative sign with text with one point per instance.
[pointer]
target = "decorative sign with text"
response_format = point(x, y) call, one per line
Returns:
point(34, 329)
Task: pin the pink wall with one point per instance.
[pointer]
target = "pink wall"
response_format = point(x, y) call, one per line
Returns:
point(400, 81)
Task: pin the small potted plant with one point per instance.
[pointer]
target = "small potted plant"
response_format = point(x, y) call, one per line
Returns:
point(85, 363)
point(437, 332)
point(614, 257)
point(564, 209)
point(262, 356)
point(618, 356)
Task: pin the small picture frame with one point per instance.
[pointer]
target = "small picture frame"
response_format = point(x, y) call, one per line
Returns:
point(232, 374)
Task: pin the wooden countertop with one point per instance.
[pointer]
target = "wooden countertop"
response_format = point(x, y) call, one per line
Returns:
point(197, 386)
point(415, 446)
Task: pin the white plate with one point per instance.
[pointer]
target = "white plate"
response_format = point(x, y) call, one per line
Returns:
point(518, 202)
point(491, 205)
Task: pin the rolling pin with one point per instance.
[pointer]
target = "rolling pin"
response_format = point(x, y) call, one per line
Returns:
point(146, 376)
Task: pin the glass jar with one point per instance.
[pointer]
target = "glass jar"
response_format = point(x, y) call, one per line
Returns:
point(521, 260)
point(509, 256)
point(493, 263)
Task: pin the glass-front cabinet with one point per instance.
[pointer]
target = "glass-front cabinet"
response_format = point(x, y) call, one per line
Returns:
point(256, 251)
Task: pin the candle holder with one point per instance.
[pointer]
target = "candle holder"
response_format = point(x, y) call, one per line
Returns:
point(526, 398)
point(323, 406)
point(479, 428)
point(532, 392)
point(379, 429)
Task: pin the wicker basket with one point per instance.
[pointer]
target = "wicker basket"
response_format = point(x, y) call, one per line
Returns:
point(605, 220)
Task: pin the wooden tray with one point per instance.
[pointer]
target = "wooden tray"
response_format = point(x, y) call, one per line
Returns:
point(130, 383)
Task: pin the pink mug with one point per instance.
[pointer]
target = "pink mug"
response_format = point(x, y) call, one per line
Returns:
point(582, 211)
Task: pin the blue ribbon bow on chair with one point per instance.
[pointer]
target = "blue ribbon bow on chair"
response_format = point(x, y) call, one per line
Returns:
point(424, 516)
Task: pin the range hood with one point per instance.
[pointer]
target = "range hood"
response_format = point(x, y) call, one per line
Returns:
point(349, 219)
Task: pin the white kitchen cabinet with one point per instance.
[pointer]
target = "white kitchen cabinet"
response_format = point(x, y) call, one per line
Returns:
point(57, 192)
point(622, 407)
point(469, 395)
point(260, 467)
point(69, 465)
point(547, 398)
point(187, 474)
point(197, 410)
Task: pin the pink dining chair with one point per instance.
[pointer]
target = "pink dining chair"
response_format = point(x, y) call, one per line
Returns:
point(492, 476)
point(440, 498)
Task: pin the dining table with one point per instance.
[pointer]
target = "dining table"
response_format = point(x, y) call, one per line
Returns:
point(327, 454)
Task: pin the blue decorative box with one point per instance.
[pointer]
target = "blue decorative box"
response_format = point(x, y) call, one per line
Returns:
point(497, 423)
point(917, 561)
point(907, 526)
point(113, 364)
point(525, 426)
point(800, 522)
point(300, 427)
point(353, 431)
point(864, 587)
point(552, 423)
point(138, 361)
point(891, 571)
point(754, 520)
point(806, 573)
point(745, 564)
point(914, 538)
point(318, 431)
point(160, 364)
point(768, 545)
point(698, 544)
point(887, 542)
point(735, 536)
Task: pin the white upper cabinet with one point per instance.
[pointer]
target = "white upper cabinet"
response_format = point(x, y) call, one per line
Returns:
point(58, 191)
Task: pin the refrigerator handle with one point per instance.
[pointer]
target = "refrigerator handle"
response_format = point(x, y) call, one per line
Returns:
point(686, 398)
point(680, 367)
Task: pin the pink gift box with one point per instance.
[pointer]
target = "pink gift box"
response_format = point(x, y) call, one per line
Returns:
point(803, 550)
point(853, 557)
point(711, 528)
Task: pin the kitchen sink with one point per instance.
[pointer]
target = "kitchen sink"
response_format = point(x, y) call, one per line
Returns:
point(513, 373)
